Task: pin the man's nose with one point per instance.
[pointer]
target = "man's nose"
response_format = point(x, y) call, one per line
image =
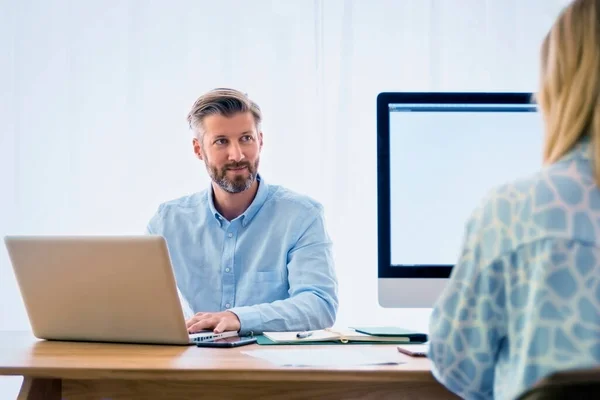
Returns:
point(235, 153)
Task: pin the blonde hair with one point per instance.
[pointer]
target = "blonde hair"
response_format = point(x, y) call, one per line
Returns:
point(221, 101)
point(569, 95)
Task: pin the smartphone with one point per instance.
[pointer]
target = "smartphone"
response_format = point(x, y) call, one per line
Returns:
point(414, 350)
point(233, 341)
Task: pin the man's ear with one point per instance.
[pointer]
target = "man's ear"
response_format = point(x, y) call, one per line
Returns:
point(260, 140)
point(197, 148)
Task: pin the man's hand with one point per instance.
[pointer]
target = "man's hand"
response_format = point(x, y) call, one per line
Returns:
point(218, 322)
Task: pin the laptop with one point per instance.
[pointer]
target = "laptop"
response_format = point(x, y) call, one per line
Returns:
point(118, 289)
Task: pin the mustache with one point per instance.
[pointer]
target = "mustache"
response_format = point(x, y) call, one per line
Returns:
point(237, 165)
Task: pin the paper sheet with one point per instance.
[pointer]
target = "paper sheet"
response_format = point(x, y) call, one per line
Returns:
point(336, 357)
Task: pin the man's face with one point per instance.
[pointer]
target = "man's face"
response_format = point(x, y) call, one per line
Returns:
point(230, 148)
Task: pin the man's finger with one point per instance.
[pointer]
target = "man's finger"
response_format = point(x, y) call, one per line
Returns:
point(195, 318)
point(204, 324)
point(191, 321)
point(221, 326)
point(197, 327)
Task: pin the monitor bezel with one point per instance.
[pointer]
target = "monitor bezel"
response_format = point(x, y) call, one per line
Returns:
point(384, 99)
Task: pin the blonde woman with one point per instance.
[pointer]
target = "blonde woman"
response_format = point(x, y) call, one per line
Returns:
point(523, 300)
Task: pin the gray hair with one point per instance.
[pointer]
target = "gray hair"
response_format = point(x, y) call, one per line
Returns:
point(221, 101)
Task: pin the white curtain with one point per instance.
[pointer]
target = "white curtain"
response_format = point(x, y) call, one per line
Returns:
point(94, 96)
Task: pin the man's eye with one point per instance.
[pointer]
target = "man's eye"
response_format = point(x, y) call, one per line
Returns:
point(246, 138)
point(220, 141)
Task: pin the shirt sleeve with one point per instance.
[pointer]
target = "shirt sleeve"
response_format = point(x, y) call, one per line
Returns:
point(313, 301)
point(467, 322)
point(153, 228)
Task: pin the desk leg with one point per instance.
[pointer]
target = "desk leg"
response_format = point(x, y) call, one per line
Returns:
point(40, 389)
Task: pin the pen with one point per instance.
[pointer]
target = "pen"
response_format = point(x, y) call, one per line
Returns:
point(303, 335)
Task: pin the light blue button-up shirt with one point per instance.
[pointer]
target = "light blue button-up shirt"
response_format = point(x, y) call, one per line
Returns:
point(523, 301)
point(272, 266)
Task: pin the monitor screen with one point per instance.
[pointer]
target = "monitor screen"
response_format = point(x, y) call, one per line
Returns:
point(439, 155)
point(443, 160)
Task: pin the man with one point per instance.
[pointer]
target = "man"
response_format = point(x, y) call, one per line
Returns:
point(247, 256)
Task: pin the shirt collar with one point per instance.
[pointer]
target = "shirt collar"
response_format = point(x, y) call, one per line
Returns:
point(251, 211)
point(257, 203)
point(581, 150)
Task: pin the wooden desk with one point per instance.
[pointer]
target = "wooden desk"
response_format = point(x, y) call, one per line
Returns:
point(68, 370)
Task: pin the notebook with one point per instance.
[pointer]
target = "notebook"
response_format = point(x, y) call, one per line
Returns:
point(331, 335)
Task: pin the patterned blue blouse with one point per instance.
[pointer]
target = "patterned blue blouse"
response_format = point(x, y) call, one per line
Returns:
point(524, 298)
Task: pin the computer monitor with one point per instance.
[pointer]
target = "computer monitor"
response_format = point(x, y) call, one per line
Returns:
point(438, 155)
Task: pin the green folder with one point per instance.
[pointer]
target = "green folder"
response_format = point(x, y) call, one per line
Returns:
point(383, 331)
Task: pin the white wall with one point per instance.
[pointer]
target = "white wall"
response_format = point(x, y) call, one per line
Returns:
point(94, 96)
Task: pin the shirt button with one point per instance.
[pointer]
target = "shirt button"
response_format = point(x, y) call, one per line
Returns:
point(227, 269)
point(230, 234)
point(227, 305)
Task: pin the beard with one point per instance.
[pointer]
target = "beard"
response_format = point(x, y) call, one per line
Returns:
point(238, 183)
